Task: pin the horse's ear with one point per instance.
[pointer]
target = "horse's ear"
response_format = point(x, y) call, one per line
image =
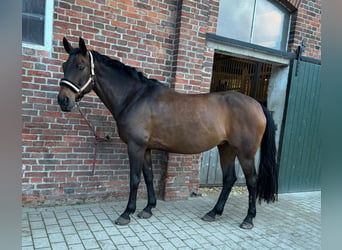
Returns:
point(67, 45)
point(82, 46)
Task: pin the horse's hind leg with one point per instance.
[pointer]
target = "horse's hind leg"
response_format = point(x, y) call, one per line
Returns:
point(227, 158)
point(148, 176)
point(248, 167)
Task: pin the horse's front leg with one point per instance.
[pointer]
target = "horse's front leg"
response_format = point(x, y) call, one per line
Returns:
point(148, 176)
point(136, 158)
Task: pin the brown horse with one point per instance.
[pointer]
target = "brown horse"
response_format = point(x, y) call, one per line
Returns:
point(150, 115)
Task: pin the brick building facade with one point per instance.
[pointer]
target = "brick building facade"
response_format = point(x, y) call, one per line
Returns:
point(166, 40)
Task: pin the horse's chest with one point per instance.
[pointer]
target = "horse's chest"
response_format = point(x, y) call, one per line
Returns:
point(133, 129)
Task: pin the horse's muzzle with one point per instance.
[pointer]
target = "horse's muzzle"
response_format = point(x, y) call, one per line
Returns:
point(65, 103)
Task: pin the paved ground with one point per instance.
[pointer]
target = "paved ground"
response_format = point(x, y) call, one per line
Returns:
point(294, 222)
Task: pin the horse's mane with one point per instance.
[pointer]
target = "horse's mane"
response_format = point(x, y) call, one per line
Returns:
point(128, 69)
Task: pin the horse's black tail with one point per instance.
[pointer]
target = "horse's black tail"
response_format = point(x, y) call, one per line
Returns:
point(267, 187)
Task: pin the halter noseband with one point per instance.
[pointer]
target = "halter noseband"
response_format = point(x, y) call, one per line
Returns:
point(91, 80)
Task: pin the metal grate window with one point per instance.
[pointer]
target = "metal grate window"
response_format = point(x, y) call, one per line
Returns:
point(246, 76)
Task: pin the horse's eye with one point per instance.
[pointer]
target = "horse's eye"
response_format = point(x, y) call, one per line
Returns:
point(80, 67)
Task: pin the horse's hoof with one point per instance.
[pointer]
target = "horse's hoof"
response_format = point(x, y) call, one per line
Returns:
point(208, 218)
point(246, 225)
point(144, 215)
point(122, 221)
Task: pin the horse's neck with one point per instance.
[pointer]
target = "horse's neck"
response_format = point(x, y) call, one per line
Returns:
point(114, 88)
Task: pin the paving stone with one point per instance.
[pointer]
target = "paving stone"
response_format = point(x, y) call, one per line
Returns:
point(95, 227)
point(34, 217)
point(50, 221)
point(144, 236)
point(160, 225)
point(86, 212)
point(56, 237)
point(101, 216)
point(112, 230)
point(185, 248)
point(101, 235)
point(27, 248)
point(192, 243)
point(106, 244)
point(72, 239)
point(152, 245)
point(37, 224)
point(294, 222)
point(123, 247)
point(53, 229)
point(168, 246)
point(134, 241)
point(62, 215)
point(41, 242)
point(200, 239)
point(85, 234)
point(59, 246)
point(82, 225)
point(141, 248)
point(168, 233)
point(135, 228)
point(182, 235)
point(90, 244)
point(26, 241)
point(213, 240)
point(177, 242)
point(76, 218)
point(76, 247)
point(90, 219)
point(106, 223)
point(39, 233)
point(203, 232)
point(159, 237)
point(68, 230)
point(119, 239)
point(209, 246)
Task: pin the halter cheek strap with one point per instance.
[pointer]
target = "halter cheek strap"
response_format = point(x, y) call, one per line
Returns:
point(81, 91)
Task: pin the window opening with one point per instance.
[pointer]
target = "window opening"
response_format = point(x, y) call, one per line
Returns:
point(261, 22)
point(243, 75)
point(37, 23)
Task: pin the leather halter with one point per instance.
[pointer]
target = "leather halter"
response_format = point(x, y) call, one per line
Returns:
point(91, 81)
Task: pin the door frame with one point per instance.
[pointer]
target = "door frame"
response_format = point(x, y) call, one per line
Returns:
point(276, 90)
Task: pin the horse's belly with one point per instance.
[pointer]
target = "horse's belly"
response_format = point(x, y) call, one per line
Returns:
point(191, 149)
point(189, 142)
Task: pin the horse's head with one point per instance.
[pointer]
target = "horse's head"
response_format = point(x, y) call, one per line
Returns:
point(78, 75)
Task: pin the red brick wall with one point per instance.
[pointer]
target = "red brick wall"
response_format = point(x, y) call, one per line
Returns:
point(58, 147)
point(165, 39)
point(192, 67)
point(306, 25)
